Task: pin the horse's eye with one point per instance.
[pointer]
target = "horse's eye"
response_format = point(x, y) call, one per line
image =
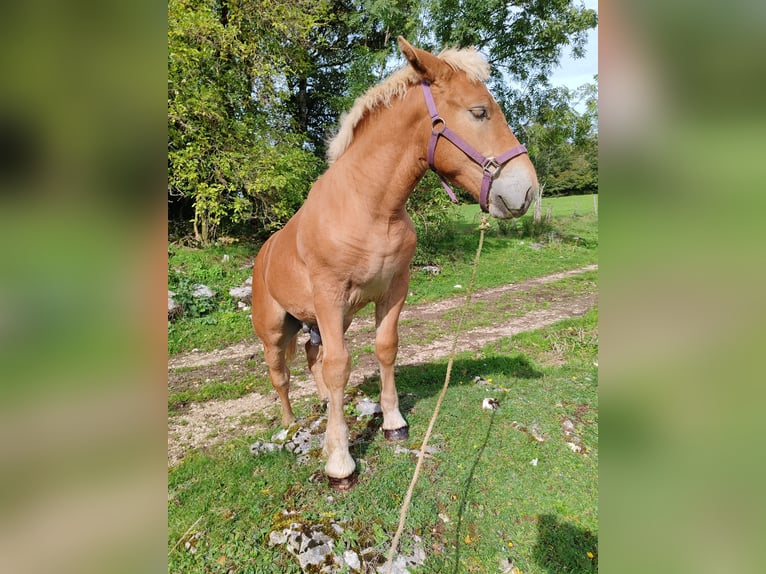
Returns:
point(479, 113)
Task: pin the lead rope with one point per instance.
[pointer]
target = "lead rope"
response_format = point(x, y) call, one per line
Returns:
point(406, 504)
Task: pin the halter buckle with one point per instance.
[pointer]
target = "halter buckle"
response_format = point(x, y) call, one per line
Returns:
point(490, 166)
point(436, 121)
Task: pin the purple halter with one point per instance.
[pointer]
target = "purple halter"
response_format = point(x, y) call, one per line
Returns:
point(490, 165)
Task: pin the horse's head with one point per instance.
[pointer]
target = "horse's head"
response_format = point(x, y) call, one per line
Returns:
point(493, 167)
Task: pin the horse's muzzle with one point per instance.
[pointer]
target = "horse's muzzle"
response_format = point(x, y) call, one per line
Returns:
point(512, 194)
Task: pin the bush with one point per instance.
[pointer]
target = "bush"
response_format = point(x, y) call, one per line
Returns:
point(433, 215)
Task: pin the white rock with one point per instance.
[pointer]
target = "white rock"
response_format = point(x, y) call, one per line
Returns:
point(352, 559)
point(174, 308)
point(490, 404)
point(278, 537)
point(367, 407)
point(575, 447)
point(259, 447)
point(401, 563)
point(399, 566)
point(242, 293)
point(430, 450)
point(280, 436)
point(202, 291)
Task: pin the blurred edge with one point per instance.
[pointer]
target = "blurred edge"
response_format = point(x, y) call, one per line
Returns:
point(682, 173)
point(82, 338)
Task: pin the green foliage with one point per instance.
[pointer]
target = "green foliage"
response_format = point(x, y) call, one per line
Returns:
point(347, 52)
point(524, 39)
point(433, 215)
point(280, 183)
point(183, 288)
point(226, 70)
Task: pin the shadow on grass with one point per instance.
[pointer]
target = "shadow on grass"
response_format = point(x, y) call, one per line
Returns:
point(562, 547)
point(467, 487)
point(415, 382)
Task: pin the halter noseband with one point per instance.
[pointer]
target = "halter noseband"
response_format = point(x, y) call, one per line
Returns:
point(490, 165)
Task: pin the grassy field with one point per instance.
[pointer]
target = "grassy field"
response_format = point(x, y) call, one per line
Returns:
point(515, 486)
point(510, 254)
point(503, 485)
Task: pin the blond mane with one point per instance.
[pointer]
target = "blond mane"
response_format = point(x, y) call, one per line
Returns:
point(396, 85)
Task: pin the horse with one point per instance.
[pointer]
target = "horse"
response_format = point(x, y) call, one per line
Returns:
point(352, 241)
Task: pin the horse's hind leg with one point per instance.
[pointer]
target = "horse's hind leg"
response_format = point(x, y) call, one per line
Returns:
point(314, 358)
point(278, 355)
point(277, 331)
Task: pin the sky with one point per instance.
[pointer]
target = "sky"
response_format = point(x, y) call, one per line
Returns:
point(574, 73)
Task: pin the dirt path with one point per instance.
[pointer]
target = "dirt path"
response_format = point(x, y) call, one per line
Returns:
point(208, 423)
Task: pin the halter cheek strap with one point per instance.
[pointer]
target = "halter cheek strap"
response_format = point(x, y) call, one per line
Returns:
point(489, 165)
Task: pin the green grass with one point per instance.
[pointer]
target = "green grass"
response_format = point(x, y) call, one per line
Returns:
point(570, 205)
point(220, 267)
point(544, 518)
point(508, 256)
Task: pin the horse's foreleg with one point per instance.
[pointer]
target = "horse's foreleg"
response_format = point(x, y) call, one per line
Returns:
point(336, 366)
point(386, 348)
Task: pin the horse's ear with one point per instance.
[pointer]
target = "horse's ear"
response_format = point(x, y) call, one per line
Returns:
point(424, 63)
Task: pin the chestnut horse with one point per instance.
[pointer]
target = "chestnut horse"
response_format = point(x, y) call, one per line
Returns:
point(352, 241)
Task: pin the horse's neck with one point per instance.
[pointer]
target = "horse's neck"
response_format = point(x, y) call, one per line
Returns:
point(386, 158)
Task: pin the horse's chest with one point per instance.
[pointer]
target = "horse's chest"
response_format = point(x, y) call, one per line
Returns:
point(375, 280)
point(372, 280)
point(362, 268)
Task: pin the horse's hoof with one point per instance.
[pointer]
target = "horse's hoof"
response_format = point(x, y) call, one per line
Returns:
point(392, 435)
point(343, 484)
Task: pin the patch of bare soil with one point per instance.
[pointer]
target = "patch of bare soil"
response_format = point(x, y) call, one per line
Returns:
point(208, 423)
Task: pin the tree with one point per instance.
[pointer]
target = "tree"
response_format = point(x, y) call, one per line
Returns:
point(226, 83)
point(523, 40)
point(563, 142)
point(345, 54)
